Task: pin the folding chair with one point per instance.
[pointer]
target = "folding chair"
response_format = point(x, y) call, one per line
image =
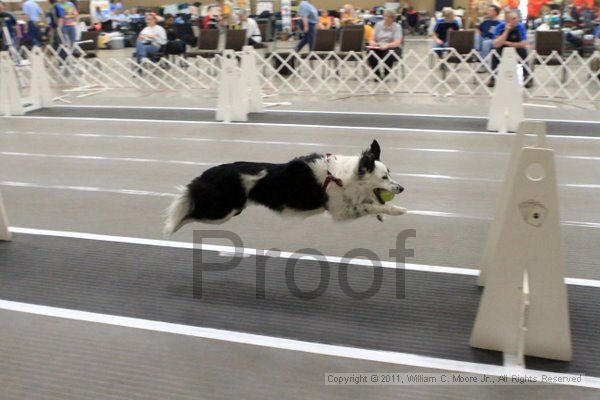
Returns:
point(550, 47)
point(352, 41)
point(235, 39)
point(207, 44)
point(324, 45)
point(463, 43)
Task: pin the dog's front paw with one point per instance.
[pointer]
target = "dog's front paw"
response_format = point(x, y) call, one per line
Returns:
point(397, 210)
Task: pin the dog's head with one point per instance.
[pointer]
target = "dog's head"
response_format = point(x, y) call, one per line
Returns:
point(374, 175)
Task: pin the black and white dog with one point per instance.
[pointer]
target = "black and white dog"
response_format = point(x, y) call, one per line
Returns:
point(348, 187)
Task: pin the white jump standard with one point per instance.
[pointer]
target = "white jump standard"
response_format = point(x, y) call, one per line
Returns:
point(524, 308)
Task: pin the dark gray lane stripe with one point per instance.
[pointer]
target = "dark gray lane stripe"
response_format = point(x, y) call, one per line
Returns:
point(334, 119)
point(434, 319)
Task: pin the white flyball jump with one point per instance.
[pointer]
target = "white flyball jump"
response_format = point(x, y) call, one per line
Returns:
point(239, 88)
point(40, 95)
point(10, 96)
point(524, 307)
point(4, 232)
point(506, 107)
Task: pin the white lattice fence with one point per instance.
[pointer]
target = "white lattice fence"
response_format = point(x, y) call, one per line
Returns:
point(570, 78)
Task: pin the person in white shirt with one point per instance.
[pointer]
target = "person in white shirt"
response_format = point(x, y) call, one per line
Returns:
point(150, 39)
point(253, 35)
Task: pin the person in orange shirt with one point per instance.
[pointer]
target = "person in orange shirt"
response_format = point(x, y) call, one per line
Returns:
point(325, 20)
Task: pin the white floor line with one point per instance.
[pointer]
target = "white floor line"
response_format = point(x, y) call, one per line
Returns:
point(234, 124)
point(311, 126)
point(512, 361)
point(270, 253)
point(136, 192)
point(278, 142)
point(86, 189)
point(208, 164)
point(295, 111)
point(286, 344)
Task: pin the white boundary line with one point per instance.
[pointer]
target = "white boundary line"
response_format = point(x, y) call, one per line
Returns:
point(413, 360)
point(286, 111)
point(137, 192)
point(364, 128)
point(269, 253)
point(209, 164)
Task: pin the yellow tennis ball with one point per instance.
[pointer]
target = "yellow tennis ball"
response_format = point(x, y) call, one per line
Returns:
point(386, 195)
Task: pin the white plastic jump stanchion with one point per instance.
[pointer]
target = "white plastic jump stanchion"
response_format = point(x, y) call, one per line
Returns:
point(10, 96)
point(506, 107)
point(4, 232)
point(232, 105)
point(491, 245)
point(40, 95)
point(524, 306)
point(251, 80)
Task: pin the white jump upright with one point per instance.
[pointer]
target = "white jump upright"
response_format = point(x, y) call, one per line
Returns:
point(251, 80)
point(506, 107)
point(232, 105)
point(4, 232)
point(524, 306)
point(40, 95)
point(239, 90)
point(10, 96)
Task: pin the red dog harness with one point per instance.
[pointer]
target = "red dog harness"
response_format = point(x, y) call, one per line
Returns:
point(330, 177)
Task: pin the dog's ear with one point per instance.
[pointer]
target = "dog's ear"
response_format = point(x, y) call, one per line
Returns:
point(375, 150)
point(366, 163)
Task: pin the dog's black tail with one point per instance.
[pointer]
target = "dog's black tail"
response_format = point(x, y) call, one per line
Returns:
point(178, 212)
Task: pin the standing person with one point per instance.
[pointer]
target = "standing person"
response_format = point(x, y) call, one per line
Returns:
point(386, 39)
point(70, 20)
point(441, 28)
point(8, 20)
point(253, 36)
point(56, 21)
point(150, 39)
point(310, 16)
point(511, 33)
point(34, 16)
point(487, 30)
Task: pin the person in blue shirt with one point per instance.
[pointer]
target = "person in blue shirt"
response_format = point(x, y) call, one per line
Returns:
point(310, 16)
point(511, 33)
point(34, 16)
point(486, 31)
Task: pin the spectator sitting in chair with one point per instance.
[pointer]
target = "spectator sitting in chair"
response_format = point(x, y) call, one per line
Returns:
point(486, 31)
point(442, 26)
point(511, 34)
point(386, 41)
point(253, 35)
point(150, 39)
point(174, 43)
point(326, 21)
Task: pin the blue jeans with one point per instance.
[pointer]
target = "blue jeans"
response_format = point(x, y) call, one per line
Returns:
point(33, 32)
point(70, 33)
point(143, 50)
point(483, 45)
point(308, 38)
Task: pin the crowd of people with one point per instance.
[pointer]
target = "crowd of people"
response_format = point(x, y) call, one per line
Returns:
point(384, 29)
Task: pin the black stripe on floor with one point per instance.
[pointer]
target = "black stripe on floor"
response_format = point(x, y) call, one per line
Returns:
point(359, 120)
point(433, 319)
